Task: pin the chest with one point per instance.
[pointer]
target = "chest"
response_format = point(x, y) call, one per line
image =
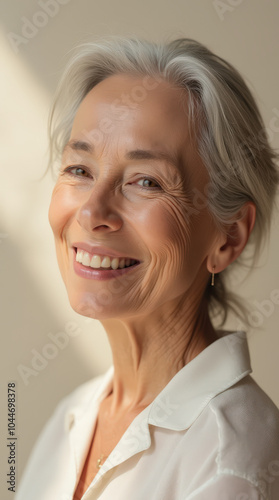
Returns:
point(94, 461)
point(106, 436)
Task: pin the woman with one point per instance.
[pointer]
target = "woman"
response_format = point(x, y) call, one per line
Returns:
point(165, 176)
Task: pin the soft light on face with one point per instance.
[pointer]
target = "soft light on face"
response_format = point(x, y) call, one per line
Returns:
point(137, 204)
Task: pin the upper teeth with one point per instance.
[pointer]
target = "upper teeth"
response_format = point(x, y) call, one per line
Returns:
point(97, 261)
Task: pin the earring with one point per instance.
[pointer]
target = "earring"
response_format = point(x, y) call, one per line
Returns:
point(212, 276)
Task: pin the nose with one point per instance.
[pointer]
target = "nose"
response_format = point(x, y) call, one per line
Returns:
point(99, 213)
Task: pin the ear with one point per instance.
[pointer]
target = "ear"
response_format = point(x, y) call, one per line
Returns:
point(231, 244)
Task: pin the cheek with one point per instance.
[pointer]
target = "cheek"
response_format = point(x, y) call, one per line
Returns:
point(62, 208)
point(178, 243)
point(165, 232)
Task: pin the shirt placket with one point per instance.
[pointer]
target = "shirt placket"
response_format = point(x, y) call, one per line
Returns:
point(136, 439)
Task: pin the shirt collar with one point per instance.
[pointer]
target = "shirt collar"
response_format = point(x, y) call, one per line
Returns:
point(218, 367)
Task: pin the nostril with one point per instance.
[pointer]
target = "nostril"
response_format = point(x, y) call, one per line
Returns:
point(102, 226)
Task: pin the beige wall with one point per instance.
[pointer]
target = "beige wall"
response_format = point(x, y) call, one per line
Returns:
point(33, 300)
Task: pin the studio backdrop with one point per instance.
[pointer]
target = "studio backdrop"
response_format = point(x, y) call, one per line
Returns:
point(46, 348)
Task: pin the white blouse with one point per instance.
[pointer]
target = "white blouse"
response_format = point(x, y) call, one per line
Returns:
point(211, 434)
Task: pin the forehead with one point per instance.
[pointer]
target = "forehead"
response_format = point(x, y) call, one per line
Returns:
point(154, 109)
point(137, 92)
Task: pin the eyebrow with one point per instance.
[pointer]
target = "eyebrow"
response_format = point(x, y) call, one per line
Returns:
point(137, 154)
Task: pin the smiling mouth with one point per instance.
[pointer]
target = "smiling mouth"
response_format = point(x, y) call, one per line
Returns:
point(103, 262)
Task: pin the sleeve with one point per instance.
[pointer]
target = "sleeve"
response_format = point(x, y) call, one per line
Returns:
point(228, 487)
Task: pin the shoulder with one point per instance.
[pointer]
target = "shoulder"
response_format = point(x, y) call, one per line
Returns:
point(248, 435)
point(53, 446)
point(248, 410)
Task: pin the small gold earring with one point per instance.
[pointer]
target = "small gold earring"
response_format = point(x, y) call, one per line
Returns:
point(212, 276)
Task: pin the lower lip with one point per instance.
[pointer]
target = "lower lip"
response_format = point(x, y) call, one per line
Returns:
point(99, 274)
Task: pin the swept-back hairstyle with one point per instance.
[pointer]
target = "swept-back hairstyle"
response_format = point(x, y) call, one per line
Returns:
point(229, 130)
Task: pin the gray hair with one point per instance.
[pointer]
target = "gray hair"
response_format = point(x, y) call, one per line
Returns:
point(230, 133)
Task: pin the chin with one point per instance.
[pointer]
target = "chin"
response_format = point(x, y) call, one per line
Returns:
point(92, 306)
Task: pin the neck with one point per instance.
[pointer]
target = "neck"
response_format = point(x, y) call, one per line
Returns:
point(149, 350)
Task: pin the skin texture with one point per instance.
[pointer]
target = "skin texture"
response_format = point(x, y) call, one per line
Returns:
point(155, 316)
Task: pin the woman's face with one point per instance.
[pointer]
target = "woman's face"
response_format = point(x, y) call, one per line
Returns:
point(130, 187)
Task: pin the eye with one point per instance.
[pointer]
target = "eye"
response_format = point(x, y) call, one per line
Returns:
point(146, 182)
point(76, 171)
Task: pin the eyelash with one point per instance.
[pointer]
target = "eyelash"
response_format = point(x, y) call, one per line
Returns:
point(68, 170)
